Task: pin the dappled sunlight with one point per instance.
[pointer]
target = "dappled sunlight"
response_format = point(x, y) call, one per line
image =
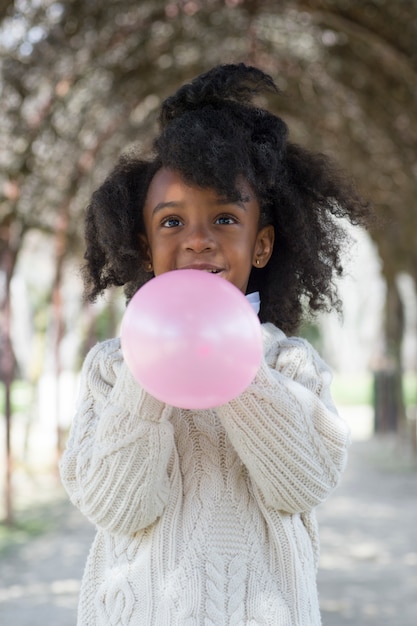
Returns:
point(40, 579)
point(43, 592)
point(360, 419)
point(368, 565)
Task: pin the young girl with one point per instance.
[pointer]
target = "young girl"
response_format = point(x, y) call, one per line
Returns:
point(208, 516)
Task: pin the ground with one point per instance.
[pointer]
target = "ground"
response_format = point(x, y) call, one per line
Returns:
point(368, 530)
point(368, 570)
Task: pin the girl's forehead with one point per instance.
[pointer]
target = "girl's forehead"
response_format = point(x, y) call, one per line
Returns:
point(168, 181)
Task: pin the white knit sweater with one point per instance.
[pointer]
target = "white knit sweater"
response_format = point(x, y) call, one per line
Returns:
point(204, 517)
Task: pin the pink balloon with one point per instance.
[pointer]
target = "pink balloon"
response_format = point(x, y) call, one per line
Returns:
point(191, 339)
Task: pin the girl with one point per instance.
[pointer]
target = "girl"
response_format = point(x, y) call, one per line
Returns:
point(208, 517)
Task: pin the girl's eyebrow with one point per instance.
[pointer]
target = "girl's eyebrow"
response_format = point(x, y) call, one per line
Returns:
point(175, 204)
point(238, 202)
point(166, 205)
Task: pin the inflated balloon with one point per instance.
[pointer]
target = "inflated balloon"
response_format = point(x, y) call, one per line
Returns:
point(191, 339)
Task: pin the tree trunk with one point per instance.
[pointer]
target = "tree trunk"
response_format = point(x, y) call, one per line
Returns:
point(388, 393)
point(58, 315)
point(7, 363)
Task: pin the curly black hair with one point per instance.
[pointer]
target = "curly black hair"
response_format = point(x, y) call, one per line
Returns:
point(213, 134)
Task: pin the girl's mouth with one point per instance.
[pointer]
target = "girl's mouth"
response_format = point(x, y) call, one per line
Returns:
point(203, 268)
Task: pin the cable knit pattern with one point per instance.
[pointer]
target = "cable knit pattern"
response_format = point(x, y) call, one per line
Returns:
point(204, 517)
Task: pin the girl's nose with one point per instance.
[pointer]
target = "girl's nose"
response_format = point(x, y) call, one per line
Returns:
point(198, 239)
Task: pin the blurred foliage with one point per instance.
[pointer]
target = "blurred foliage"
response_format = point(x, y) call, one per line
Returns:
point(21, 532)
point(33, 520)
point(82, 82)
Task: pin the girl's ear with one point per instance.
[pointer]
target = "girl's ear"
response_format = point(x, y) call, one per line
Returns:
point(264, 246)
point(146, 252)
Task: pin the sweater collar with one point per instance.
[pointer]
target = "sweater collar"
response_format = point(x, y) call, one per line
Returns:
point(254, 300)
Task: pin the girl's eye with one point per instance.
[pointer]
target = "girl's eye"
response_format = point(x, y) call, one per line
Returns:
point(226, 219)
point(171, 222)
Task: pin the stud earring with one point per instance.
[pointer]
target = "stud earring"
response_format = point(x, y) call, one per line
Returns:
point(149, 267)
point(257, 261)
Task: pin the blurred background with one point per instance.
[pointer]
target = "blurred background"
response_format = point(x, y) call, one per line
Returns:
point(81, 82)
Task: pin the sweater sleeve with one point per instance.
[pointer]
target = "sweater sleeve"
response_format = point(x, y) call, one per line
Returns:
point(115, 466)
point(286, 430)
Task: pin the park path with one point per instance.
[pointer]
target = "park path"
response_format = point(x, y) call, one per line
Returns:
point(368, 573)
point(368, 531)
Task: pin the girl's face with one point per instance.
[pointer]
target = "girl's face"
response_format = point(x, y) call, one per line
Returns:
point(189, 227)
